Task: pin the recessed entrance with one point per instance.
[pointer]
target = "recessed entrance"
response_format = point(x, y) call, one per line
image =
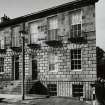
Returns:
point(15, 61)
point(34, 68)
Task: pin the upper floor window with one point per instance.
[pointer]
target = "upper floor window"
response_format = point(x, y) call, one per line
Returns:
point(2, 40)
point(2, 46)
point(34, 31)
point(76, 19)
point(5, 38)
point(1, 64)
point(76, 59)
point(52, 27)
point(53, 59)
point(53, 23)
point(16, 36)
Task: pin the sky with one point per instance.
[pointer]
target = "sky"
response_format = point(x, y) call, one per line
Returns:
point(16, 8)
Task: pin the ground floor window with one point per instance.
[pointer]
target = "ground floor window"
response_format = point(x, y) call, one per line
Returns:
point(1, 64)
point(75, 59)
point(53, 62)
point(77, 90)
point(52, 88)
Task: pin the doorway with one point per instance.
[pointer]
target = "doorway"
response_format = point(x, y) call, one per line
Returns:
point(34, 68)
point(15, 61)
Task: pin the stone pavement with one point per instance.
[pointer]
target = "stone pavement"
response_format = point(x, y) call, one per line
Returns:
point(39, 100)
point(10, 98)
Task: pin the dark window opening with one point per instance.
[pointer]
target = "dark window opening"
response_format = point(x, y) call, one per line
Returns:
point(15, 60)
point(52, 88)
point(34, 68)
point(1, 64)
point(77, 90)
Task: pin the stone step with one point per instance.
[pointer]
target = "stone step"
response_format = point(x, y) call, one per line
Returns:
point(14, 87)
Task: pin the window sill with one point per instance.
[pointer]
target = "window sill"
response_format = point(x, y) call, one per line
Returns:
point(76, 70)
point(53, 71)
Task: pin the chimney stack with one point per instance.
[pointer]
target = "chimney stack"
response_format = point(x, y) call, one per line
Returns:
point(4, 18)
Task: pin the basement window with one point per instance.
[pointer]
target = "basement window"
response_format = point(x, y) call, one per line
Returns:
point(77, 90)
point(52, 88)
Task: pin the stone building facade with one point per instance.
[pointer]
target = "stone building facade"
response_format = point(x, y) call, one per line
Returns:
point(60, 48)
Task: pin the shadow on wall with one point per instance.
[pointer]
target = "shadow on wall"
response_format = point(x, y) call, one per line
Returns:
point(38, 88)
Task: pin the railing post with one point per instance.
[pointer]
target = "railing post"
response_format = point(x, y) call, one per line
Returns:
point(23, 67)
point(22, 33)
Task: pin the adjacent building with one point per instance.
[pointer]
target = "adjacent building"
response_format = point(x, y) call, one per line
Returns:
point(60, 49)
point(100, 63)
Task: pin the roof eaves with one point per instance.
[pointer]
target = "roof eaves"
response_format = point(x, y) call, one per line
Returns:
point(45, 12)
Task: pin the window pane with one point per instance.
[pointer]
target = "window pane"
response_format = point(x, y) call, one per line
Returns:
point(79, 66)
point(35, 31)
point(76, 17)
point(16, 36)
point(71, 34)
point(79, 56)
point(34, 37)
point(76, 23)
point(53, 23)
point(79, 51)
point(53, 59)
point(15, 31)
point(79, 33)
point(75, 27)
point(75, 34)
point(75, 56)
point(2, 43)
point(79, 26)
point(79, 61)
